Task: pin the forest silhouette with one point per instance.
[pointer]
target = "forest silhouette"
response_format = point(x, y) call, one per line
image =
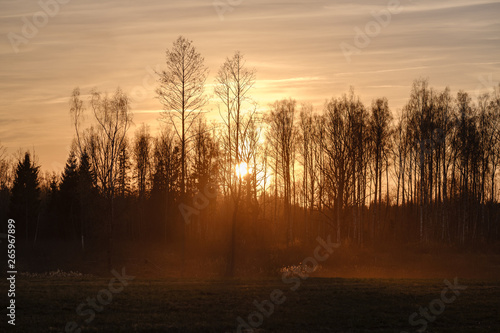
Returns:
point(251, 191)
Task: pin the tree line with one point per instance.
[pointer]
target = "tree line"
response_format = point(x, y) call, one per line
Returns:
point(282, 177)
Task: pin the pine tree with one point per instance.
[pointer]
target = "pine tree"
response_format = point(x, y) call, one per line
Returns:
point(68, 198)
point(25, 199)
point(123, 187)
point(86, 189)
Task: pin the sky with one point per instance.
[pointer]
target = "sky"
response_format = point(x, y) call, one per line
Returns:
point(310, 50)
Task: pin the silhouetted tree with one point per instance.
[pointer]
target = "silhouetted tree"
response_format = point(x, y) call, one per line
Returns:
point(282, 137)
point(25, 196)
point(103, 142)
point(182, 93)
point(339, 161)
point(142, 158)
point(182, 87)
point(166, 173)
point(88, 195)
point(380, 132)
point(233, 84)
point(5, 182)
point(69, 199)
point(123, 170)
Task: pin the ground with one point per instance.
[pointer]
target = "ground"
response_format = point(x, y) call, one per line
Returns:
point(47, 304)
point(355, 290)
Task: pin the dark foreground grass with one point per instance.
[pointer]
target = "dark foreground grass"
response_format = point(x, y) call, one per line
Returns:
point(318, 305)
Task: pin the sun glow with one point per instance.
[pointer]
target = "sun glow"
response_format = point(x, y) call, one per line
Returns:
point(241, 170)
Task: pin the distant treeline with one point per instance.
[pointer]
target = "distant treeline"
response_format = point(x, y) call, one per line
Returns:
point(277, 178)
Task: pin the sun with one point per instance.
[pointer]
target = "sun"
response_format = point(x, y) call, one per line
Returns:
point(241, 169)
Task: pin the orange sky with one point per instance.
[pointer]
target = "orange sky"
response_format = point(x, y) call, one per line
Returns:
point(295, 46)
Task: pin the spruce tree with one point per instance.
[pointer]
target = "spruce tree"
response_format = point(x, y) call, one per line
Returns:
point(25, 198)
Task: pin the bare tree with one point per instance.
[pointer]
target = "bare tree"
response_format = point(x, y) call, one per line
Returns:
point(380, 132)
point(142, 153)
point(282, 136)
point(421, 115)
point(6, 177)
point(233, 83)
point(5, 168)
point(166, 174)
point(307, 151)
point(204, 175)
point(339, 160)
point(360, 155)
point(494, 108)
point(103, 141)
point(182, 93)
point(76, 111)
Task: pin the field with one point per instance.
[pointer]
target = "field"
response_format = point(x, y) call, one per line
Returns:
point(213, 305)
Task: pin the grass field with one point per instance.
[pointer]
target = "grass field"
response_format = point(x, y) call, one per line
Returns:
point(213, 305)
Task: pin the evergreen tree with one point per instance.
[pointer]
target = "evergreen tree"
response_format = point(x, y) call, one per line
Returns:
point(69, 198)
point(86, 194)
point(123, 183)
point(25, 198)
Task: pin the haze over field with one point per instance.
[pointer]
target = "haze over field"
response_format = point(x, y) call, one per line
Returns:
point(294, 46)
